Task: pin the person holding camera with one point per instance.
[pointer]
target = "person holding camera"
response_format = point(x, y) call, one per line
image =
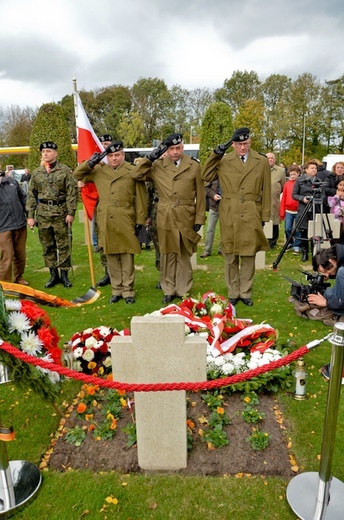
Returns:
point(305, 188)
point(329, 262)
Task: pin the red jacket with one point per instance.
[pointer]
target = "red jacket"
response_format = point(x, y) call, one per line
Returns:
point(287, 201)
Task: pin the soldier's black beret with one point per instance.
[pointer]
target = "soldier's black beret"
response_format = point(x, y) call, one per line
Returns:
point(173, 139)
point(105, 137)
point(241, 134)
point(116, 146)
point(47, 145)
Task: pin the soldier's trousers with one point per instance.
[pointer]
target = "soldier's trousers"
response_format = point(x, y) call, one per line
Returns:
point(122, 274)
point(53, 235)
point(239, 280)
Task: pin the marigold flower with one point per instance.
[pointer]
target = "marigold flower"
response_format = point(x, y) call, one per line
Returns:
point(81, 408)
point(220, 410)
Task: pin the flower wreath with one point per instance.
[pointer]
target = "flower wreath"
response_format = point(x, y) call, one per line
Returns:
point(26, 326)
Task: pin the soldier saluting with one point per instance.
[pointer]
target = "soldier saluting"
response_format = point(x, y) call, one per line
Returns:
point(51, 203)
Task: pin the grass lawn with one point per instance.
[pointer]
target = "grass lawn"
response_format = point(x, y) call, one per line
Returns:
point(81, 494)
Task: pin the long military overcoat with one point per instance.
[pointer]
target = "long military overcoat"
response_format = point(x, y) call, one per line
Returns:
point(246, 200)
point(181, 201)
point(122, 204)
point(278, 180)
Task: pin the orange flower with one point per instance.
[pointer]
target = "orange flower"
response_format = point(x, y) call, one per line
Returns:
point(190, 424)
point(81, 408)
point(113, 425)
point(121, 392)
point(220, 410)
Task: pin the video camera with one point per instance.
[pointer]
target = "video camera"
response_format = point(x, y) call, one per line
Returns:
point(301, 291)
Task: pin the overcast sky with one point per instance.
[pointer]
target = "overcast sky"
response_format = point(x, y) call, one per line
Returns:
point(193, 43)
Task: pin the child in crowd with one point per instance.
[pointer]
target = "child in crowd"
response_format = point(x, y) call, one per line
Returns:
point(289, 207)
point(336, 203)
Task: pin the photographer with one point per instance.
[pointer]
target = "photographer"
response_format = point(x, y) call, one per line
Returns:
point(330, 263)
point(307, 186)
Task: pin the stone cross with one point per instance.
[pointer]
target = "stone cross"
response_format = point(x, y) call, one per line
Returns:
point(159, 352)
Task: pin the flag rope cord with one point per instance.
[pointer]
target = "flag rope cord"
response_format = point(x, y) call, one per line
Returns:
point(155, 387)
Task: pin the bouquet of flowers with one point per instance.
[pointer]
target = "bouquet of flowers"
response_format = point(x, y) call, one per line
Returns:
point(91, 350)
point(26, 326)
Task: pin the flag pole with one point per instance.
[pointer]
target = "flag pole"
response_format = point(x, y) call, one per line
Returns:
point(86, 220)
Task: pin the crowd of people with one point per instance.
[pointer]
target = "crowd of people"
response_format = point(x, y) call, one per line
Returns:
point(167, 197)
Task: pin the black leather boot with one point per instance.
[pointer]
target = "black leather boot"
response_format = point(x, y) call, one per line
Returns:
point(54, 277)
point(105, 280)
point(304, 255)
point(64, 278)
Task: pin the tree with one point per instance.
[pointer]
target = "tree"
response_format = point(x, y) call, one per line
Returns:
point(131, 131)
point(16, 129)
point(251, 114)
point(150, 96)
point(242, 86)
point(50, 125)
point(217, 127)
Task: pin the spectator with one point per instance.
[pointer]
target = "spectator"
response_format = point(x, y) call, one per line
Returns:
point(180, 213)
point(303, 192)
point(289, 207)
point(121, 212)
point(336, 204)
point(51, 203)
point(13, 230)
point(278, 180)
point(213, 193)
point(245, 181)
point(336, 175)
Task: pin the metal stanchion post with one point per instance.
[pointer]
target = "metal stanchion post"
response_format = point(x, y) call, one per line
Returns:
point(319, 496)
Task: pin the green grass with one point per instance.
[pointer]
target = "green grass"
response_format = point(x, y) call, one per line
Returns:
point(81, 494)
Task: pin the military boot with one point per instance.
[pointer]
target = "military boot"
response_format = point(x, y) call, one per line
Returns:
point(54, 277)
point(64, 278)
point(105, 280)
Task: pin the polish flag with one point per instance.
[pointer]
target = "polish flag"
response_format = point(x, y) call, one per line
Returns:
point(88, 144)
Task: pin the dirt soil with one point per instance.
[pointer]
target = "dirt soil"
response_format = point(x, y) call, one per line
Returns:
point(238, 456)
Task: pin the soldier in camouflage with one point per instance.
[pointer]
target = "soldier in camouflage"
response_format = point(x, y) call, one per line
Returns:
point(51, 204)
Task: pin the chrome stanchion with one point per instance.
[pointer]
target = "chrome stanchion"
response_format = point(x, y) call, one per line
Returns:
point(19, 480)
point(319, 496)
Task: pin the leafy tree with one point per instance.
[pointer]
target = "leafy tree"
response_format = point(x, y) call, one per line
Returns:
point(16, 129)
point(242, 86)
point(131, 131)
point(217, 127)
point(251, 114)
point(150, 96)
point(50, 125)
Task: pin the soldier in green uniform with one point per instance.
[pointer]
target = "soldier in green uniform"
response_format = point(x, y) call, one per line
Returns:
point(51, 203)
point(121, 211)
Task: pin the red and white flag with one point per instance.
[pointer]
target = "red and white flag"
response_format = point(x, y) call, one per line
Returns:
point(88, 144)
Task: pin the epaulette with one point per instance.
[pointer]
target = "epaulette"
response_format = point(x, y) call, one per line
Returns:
point(263, 154)
point(195, 159)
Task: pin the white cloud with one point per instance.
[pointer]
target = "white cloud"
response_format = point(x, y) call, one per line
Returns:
point(194, 44)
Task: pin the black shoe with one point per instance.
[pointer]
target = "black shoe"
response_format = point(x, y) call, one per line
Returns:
point(129, 300)
point(233, 301)
point(115, 298)
point(54, 277)
point(104, 281)
point(247, 301)
point(304, 256)
point(167, 298)
point(158, 285)
point(64, 278)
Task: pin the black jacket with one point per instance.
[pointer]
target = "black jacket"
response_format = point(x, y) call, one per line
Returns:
point(12, 205)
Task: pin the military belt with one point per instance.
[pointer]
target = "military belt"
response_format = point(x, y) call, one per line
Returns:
point(180, 202)
point(121, 204)
point(53, 202)
point(244, 198)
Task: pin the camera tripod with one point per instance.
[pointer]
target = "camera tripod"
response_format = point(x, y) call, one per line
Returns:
point(315, 202)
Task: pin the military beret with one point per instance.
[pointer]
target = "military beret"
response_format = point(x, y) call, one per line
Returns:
point(116, 146)
point(47, 145)
point(173, 139)
point(241, 134)
point(105, 137)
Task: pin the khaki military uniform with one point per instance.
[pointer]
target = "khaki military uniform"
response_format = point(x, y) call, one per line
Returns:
point(51, 197)
point(245, 204)
point(181, 205)
point(122, 204)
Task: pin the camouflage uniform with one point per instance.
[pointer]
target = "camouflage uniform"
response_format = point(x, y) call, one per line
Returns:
point(51, 197)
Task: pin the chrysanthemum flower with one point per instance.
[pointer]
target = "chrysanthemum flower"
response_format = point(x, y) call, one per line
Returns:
point(30, 343)
point(18, 322)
